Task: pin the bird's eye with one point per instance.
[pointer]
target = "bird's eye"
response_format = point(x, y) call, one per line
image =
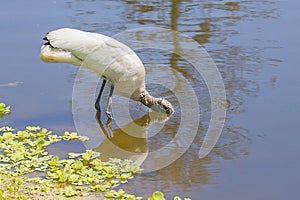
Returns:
point(168, 111)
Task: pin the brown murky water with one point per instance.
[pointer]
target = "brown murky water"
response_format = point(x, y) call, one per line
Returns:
point(253, 43)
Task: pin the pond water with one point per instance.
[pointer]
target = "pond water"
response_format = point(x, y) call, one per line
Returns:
point(253, 43)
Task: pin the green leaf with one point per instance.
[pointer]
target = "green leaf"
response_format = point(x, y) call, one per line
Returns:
point(42, 133)
point(111, 194)
point(8, 136)
point(123, 178)
point(40, 142)
point(74, 178)
point(99, 188)
point(70, 192)
point(6, 129)
point(130, 198)
point(33, 128)
point(53, 161)
point(77, 165)
point(158, 195)
point(87, 156)
point(23, 135)
point(17, 156)
point(2, 107)
point(67, 172)
point(74, 155)
point(4, 110)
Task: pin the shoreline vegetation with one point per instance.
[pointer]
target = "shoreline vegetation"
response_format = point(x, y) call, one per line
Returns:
point(29, 171)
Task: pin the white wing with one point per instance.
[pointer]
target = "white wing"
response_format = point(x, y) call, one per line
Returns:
point(102, 54)
point(75, 41)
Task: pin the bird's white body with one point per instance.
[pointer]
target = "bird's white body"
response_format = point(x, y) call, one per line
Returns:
point(110, 59)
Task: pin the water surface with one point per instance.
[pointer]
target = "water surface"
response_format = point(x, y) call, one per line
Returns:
point(254, 44)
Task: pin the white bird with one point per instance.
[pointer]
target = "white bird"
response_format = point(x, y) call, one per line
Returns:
point(112, 60)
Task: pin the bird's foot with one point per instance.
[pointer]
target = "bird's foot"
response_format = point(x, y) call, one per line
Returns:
point(108, 122)
point(109, 115)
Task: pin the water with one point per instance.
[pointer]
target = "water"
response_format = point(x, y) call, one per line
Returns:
point(254, 44)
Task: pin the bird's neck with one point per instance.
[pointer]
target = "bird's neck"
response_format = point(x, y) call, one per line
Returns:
point(148, 100)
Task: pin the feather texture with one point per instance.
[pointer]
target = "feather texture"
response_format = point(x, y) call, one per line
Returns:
point(109, 58)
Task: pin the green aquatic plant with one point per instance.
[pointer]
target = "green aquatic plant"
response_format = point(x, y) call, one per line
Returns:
point(24, 152)
point(160, 196)
point(4, 110)
point(29, 171)
point(157, 196)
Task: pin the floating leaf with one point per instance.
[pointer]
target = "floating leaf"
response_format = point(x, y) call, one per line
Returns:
point(40, 142)
point(99, 188)
point(157, 196)
point(23, 135)
point(74, 178)
point(33, 128)
point(77, 165)
point(70, 192)
point(8, 136)
point(4, 110)
point(53, 161)
point(74, 155)
point(6, 129)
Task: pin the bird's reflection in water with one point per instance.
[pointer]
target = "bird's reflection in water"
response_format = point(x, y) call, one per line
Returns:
point(129, 141)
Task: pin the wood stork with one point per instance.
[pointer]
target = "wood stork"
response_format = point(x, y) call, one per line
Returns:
point(112, 60)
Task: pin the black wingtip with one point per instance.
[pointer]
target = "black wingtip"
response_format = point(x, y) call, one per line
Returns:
point(45, 38)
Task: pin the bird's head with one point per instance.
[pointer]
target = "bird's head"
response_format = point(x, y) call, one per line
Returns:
point(163, 106)
point(157, 104)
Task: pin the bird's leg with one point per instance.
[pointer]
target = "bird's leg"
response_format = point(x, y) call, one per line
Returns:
point(110, 133)
point(108, 125)
point(97, 103)
point(108, 112)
